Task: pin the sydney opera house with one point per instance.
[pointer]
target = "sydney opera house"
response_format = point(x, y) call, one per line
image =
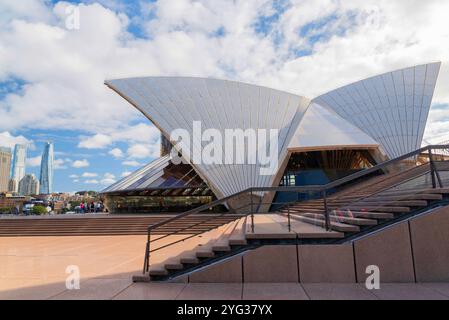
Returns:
point(319, 140)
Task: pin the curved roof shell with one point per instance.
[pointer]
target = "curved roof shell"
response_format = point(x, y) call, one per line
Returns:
point(392, 107)
point(176, 102)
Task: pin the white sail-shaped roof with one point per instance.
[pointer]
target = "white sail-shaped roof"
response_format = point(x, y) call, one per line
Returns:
point(323, 129)
point(176, 102)
point(392, 108)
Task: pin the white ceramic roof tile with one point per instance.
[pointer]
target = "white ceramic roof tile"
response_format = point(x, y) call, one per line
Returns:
point(402, 95)
point(173, 103)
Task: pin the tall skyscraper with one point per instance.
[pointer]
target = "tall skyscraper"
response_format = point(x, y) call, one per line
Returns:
point(5, 168)
point(46, 178)
point(29, 185)
point(18, 165)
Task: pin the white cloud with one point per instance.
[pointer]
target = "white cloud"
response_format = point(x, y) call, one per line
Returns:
point(125, 174)
point(9, 141)
point(34, 161)
point(89, 175)
point(98, 141)
point(91, 181)
point(80, 163)
point(73, 176)
point(131, 163)
point(60, 164)
point(108, 179)
point(109, 176)
point(360, 39)
point(116, 153)
point(141, 151)
point(75, 180)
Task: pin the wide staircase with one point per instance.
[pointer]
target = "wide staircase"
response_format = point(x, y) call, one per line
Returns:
point(108, 225)
point(344, 210)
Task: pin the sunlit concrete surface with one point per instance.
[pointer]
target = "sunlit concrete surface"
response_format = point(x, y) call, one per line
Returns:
point(35, 268)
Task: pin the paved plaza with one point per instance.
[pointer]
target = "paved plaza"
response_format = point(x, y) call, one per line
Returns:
point(35, 268)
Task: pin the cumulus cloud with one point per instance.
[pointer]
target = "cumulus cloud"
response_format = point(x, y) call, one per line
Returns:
point(60, 163)
point(108, 179)
point(125, 173)
point(80, 163)
point(8, 140)
point(302, 46)
point(141, 151)
point(89, 175)
point(91, 181)
point(116, 153)
point(132, 163)
point(98, 141)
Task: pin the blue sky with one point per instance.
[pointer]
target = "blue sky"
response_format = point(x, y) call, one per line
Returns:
point(51, 77)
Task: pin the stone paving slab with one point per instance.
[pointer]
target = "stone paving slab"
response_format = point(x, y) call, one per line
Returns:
point(407, 291)
point(34, 268)
point(274, 291)
point(211, 291)
point(338, 291)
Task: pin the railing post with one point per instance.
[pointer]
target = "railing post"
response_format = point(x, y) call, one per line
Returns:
point(252, 212)
point(146, 267)
point(326, 212)
point(435, 170)
point(432, 169)
point(288, 217)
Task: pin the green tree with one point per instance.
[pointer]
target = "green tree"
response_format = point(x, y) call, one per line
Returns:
point(39, 210)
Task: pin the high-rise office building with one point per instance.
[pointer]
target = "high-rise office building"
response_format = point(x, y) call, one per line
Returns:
point(29, 185)
point(13, 185)
point(46, 178)
point(5, 168)
point(18, 165)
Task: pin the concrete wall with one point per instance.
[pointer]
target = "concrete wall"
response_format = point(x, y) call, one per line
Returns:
point(414, 250)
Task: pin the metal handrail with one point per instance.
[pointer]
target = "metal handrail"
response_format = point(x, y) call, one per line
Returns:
point(323, 189)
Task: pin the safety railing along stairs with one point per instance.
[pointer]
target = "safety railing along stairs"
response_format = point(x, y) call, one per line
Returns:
point(333, 213)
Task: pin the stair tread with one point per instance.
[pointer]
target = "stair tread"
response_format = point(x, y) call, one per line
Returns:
point(237, 236)
point(345, 219)
point(305, 230)
point(334, 225)
point(266, 228)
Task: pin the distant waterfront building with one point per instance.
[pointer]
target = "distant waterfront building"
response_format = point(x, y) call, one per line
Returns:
point(19, 163)
point(46, 177)
point(13, 185)
point(29, 185)
point(5, 168)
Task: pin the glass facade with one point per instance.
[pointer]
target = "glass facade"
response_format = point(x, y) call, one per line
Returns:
point(319, 168)
point(159, 187)
point(19, 163)
point(46, 176)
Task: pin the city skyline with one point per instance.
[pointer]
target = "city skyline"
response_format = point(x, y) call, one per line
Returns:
point(19, 180)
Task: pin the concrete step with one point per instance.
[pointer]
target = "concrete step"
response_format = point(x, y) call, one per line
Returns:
point(343, 219)
point(206, 250)
point(222, 243)
point(237, 237)
point(266, 228)
point(342, 227)
point(306, 230)
point(348, 213)
point(378, 209)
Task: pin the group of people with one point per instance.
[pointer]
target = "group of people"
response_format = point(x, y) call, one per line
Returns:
point(92, 207)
